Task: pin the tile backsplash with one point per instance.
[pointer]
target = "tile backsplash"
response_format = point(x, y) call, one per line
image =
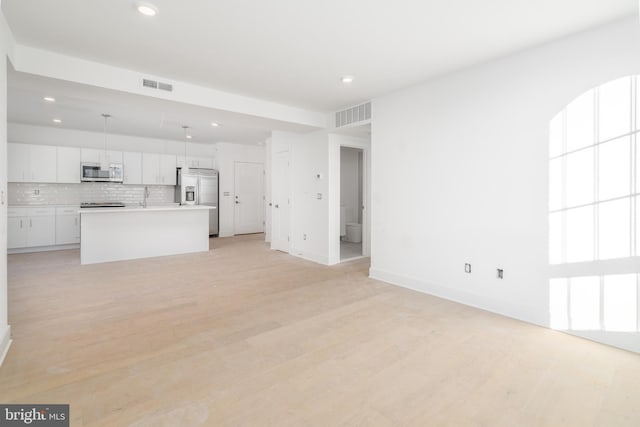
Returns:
point(25, 194)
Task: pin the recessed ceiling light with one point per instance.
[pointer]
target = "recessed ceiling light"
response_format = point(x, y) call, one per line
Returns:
point(57, 121)
point(347, 79)
point(214, 124)
point(189, 137)
point(49, 99)
point(147, 9)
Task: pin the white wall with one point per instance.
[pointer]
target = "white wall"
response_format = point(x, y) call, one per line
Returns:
point(460, 171)
point(314, 160)
point(309, 178)
point(309, 157)
point(5, 48)
point(227, 155)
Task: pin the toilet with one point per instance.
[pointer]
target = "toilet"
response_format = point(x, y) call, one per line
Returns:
point(354, 232)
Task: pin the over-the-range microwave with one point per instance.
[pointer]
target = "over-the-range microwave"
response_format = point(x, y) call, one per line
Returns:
point(94, 172)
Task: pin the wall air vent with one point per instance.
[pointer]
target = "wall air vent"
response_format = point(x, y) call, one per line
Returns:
point(150, 83)
point(157, 85)
point(165, 86)
point(359, 113)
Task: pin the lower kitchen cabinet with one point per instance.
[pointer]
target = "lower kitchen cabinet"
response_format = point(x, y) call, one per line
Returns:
point(16, 232)
point(31, 227)
point(67, 226)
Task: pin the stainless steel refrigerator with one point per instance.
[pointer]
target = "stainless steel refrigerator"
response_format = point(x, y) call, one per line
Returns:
point(199, 187)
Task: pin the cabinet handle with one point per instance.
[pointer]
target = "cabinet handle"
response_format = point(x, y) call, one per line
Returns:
point(30, 223)
point(20, 223)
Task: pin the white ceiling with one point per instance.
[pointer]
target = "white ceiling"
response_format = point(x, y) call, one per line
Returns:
point(81, 107)
point(294, 51)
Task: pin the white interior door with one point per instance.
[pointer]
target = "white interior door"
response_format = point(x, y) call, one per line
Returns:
point(280, 202)
point(249, 197)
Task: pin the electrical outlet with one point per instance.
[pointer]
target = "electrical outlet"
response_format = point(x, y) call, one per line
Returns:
point(467, 268)
point(500, 273)
point(319, 196)
point(304, 237)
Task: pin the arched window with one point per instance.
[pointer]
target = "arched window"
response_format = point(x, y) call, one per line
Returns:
point(594, 210)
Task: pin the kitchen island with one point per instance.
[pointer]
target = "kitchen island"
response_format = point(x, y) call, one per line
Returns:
point(116, 234)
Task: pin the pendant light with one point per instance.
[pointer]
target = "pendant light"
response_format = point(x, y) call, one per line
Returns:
point(104, 159)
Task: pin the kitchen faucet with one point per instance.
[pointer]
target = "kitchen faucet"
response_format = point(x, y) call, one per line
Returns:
point(146, 196)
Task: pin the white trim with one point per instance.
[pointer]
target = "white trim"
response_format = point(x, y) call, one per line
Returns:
point(629, 341)
point(317, 258)
point(42, 249)
point(5, 343)
point(525, 313)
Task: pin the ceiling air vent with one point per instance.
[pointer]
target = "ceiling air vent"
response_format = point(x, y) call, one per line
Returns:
point(352, 115)
point(157, 85)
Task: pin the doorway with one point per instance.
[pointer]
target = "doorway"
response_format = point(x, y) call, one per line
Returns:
point(351, 202)
point(249, 196)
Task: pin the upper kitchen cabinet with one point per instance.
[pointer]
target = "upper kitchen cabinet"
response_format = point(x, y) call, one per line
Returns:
point(167, 169)
point(31, 163)
point(158, 169)
point(195, 162)
point(132, 163)
point(92, 155)
point(68, 165)
point(18, 164)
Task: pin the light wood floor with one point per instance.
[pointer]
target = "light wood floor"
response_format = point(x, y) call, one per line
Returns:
point(245, 336)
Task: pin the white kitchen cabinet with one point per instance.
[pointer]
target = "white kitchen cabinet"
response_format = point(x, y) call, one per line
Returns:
point(150, 168)
point(68, 161)
point(67, 225)
point(31, 163)
point(92, 155)
point(167, 169)
point(41, 231)
point(18, 162)
point(194, 162)
point(132, 163)
point(42, 163)
point(158, 169)
point(31, 227)
point(17, 232)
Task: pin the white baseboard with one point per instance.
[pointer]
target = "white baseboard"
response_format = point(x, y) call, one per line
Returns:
point(317, 258)
point(525, 313)
point(5, 343)
point(42, 249)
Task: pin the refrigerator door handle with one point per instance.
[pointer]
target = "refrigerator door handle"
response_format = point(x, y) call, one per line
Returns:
point(198, 192)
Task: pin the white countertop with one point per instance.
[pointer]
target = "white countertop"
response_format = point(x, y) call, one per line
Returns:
point(147, 209)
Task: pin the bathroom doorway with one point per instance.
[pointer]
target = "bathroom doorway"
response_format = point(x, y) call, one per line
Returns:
point(351, 202)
